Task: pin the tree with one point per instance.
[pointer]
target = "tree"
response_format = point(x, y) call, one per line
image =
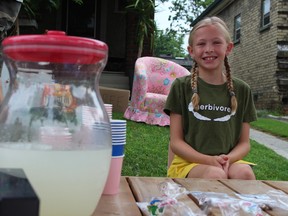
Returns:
point(168, 42)
point(146, 24)
point(185, 11)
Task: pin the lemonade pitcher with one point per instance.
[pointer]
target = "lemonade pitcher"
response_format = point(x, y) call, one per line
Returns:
point(53, 122)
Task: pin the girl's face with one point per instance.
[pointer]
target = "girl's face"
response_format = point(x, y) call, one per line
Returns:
point(209, 48)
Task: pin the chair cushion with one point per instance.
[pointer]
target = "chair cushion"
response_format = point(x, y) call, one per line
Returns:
point(155, 102)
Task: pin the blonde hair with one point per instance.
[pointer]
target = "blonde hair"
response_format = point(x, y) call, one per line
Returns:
point(194, 71)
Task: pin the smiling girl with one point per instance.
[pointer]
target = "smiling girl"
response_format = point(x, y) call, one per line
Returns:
point(210, 111)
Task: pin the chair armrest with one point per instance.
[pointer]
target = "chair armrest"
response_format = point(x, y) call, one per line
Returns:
point(140, 84)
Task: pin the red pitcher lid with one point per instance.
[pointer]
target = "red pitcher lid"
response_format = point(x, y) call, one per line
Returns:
point(56, 47)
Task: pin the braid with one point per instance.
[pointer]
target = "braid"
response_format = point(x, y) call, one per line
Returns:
point(230, 86)
point(195, 96)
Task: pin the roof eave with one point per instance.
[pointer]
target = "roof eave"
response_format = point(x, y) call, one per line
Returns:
point(213, 9)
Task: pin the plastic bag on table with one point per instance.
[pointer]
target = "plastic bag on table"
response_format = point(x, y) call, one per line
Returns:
point(167, 204)
point(271, 199)
point(228, 205)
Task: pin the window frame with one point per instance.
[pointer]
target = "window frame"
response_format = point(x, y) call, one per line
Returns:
point(237, 28)
point(265, 13)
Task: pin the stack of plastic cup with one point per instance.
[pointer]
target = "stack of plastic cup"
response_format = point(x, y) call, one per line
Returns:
point(55, 137)
point(88, 114)
point(118, 131)
point(108, 108)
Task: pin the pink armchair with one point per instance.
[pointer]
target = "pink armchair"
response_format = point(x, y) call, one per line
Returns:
point(152, 81)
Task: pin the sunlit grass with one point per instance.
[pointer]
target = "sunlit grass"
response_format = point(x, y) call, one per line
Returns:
point(272, 126)
point(270, 165)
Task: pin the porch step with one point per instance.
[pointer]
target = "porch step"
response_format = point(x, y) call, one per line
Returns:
point(114, 79)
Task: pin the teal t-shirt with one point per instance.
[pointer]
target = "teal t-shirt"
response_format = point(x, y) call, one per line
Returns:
point(212, 130)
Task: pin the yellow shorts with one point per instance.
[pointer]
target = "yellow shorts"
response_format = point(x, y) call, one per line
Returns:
point(180, 168)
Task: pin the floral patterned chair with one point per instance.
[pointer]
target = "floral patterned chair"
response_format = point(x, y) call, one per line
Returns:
point(152, 81)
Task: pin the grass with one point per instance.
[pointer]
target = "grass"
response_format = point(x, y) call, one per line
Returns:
point(271, 126)
point(270, 165)
point(147, 145)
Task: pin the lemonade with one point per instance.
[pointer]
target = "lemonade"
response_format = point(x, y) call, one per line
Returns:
point(68, 183)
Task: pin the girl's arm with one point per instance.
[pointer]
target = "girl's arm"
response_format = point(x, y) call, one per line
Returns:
point(185, 151)
point(243, 146)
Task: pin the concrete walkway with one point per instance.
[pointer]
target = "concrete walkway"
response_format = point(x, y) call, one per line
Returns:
point(280, 146)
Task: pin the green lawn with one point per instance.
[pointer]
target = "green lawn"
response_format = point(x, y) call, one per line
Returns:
point(272, 126)
point(147, 145)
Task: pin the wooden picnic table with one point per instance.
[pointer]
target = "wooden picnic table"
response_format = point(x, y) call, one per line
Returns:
point(143, 189)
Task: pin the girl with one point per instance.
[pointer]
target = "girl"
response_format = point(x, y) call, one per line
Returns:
point(210, 111)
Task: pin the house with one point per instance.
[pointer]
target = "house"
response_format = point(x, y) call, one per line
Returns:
point(259, 30)
point(105, 20)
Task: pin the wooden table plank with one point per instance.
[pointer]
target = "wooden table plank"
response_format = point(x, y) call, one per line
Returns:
point(146, 188)
point(241, 186)
point(278, 185)
point(204, 185)
point(122, 203)
point(254, 187)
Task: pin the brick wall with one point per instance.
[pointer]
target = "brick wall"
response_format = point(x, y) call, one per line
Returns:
point(282, 52)
point(254, 58)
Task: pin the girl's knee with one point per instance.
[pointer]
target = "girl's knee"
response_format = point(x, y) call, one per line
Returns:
point(207, 172)
point(244, 172)
point(215, 173)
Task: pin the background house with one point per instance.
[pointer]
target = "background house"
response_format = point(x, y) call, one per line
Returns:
point(105, 20)
point(260, 57)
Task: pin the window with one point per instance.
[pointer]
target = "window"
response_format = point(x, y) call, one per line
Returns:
point(265, 20)
point(237, 28)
